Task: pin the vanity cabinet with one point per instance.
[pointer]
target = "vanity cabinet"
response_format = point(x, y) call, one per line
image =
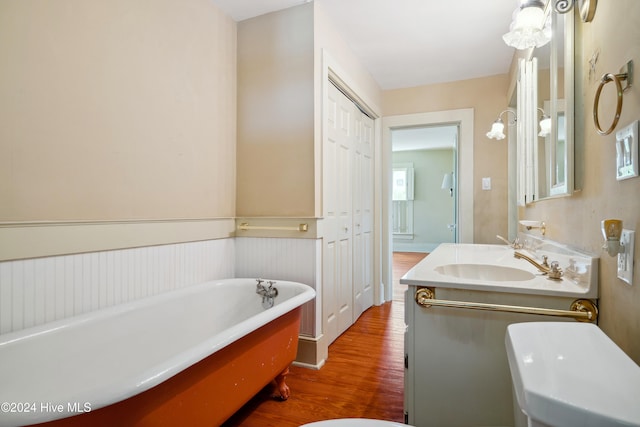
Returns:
point(456, 367)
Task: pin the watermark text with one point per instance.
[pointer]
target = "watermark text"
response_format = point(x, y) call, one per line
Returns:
point(45, 407)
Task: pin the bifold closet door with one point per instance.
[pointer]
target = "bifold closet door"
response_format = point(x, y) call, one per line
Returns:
point(338, 216)
point(362, 214)
point(348, 214)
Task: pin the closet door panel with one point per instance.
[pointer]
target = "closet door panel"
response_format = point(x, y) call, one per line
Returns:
point(329, 291)
point(348, 214)
point(344, 192)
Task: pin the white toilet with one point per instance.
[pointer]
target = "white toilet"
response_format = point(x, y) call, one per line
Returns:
point(572, 375)
point(354, 422)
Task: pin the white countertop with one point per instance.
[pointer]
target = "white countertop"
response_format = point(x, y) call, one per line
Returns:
point(578, 280)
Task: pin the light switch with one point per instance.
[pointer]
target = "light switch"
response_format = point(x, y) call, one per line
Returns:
point(486, 183)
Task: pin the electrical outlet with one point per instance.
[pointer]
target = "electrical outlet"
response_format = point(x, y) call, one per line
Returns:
point(625, 259)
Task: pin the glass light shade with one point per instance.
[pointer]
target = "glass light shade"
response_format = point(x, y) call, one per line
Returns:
point(447, 181)
point(497, 130)
point(545, 126)
point(528, 29)
point(529, 17)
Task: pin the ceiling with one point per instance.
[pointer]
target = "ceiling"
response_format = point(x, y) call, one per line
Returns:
point(407, 43)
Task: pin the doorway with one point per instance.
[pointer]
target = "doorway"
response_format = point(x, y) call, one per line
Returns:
point(463, 177)
point(424, 194)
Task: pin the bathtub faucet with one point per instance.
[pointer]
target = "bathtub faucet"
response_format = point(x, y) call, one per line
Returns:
point(259, 286)
point(268, 292)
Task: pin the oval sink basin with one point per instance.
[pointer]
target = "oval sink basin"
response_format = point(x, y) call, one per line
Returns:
point(493, 273)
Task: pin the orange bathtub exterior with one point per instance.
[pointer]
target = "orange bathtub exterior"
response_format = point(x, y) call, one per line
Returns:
point(212, 390)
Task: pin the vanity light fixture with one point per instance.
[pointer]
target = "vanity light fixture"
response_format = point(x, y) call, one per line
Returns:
point(497, 128)
point(587, 8)
point(528, 28)
point(545, 124)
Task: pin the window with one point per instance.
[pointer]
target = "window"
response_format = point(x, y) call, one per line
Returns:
point(402, 196)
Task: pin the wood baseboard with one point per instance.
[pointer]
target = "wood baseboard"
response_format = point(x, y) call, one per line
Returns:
point(312, 352)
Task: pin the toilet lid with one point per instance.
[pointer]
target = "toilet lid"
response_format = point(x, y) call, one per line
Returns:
point(354, 422)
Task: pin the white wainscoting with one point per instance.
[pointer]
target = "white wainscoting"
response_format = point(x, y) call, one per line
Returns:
point(291, 259)
point(41, 290)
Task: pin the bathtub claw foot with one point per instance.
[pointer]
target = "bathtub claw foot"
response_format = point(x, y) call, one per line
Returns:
point(281, 391)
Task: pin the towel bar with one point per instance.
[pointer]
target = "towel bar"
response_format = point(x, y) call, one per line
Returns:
point(583, 310)
point(244, 226)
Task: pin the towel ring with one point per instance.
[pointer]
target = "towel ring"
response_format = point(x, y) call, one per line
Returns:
point(606, 79)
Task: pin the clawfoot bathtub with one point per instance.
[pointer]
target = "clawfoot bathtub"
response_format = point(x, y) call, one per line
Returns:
point(188, 357)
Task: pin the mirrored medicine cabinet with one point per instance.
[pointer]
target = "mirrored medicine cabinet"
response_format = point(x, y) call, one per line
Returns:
point(545, 86)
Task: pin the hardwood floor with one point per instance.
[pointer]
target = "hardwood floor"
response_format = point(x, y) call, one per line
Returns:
point(363, 377)
point(402, 262)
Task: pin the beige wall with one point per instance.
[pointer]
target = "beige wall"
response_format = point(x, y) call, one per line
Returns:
point(281, 69)
point(349, 68)
point(116, 110)
point(275, 114)
point(331, 52)
point(576, 220)
point(118, 124)
point(487, 96)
